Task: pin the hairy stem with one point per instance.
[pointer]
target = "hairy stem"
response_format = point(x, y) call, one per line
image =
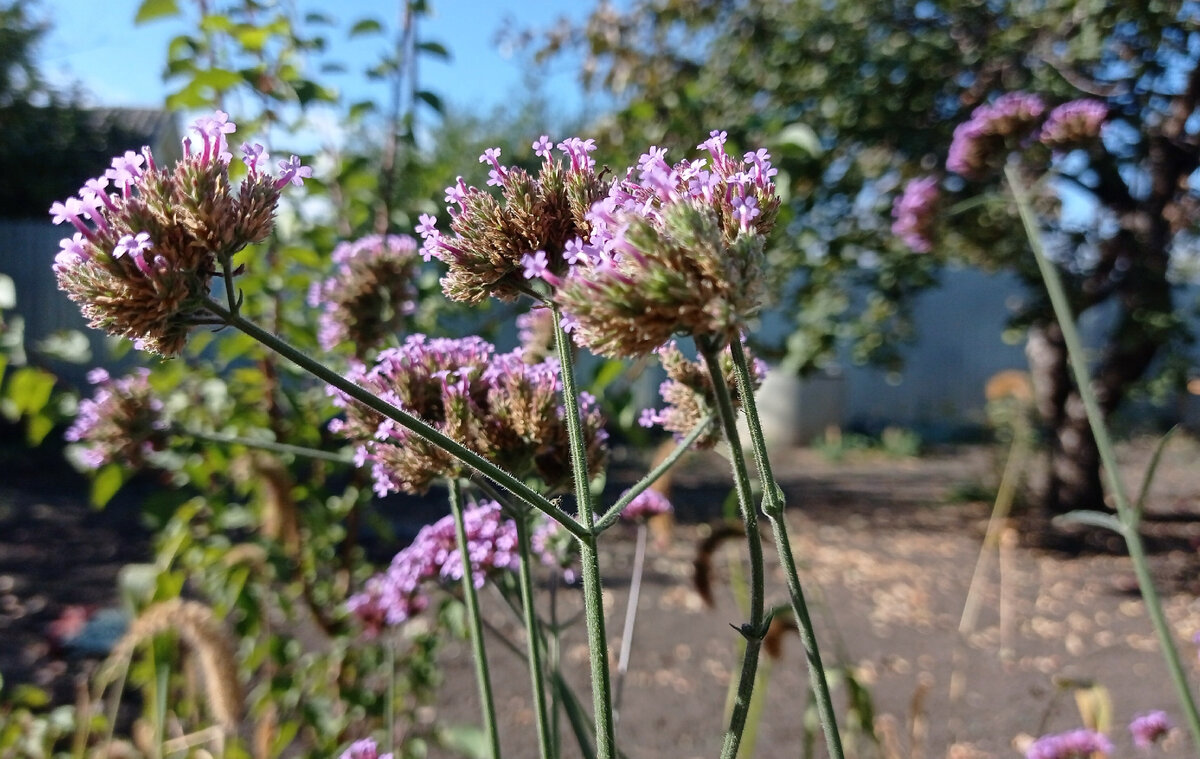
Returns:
point(401, 417)
point(614, 512)
point(265, 445)
point(755, 629)
point(773, 508)
point(589, 559)
point(474, 622)
point(534, 641)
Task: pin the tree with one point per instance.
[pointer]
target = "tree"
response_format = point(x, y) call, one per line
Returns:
point(856, 97)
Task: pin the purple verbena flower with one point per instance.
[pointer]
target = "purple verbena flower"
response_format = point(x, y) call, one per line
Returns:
point(677, 249)
point(370, 294)
point(364, 749)
point(542, 146)
point(254, 155)
point(1148, 728)
point(914, 213)
point(121, 423)
point(142, 262)
point(1074, 744)
point(646, 504)
point(992, 130)
point(394, 596)
point(1073, 123)
point(536, 264)
point(499, 404)
point(292, 171)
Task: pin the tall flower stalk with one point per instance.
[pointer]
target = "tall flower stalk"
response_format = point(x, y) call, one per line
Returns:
point(1128, 516)
point(483, 678)
point(772, 506)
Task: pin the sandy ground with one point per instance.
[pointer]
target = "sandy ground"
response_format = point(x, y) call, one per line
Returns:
point(887, 554)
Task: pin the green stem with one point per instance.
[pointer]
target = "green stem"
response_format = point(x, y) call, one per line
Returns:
point(593, 602)
point(1125, 512)
point(474, 622)
point(401, 417)
point(533, 637)
point(614, 512)
point(773, 508)
point(554, 654)
point(266, 445)
point(753, 631)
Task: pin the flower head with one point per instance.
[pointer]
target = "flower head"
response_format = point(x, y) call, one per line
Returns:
point(395, 595)
point(993, 129)
point(1073, 123)
point(370, 293)
point(914, 212)
point(121, 423)
point(678, 249)
point(646, 504)
point(497, 404)
point(1148, 728)
point(364, 749)
point(689, 395)
point(492, 248)
point(142, 261)
point(1074, 744)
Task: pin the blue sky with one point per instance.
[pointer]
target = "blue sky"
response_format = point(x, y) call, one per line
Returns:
point(97, 45)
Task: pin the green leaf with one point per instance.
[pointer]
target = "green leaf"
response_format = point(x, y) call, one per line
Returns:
point(30, 696)
point(1093, 518)
point(432, 100)
point(106, 483)
point(365, 26)
point(252, 38)
point(155, 9)
point(218, 79)
point(799, 138)
point(308, 91)
point(37, 428)
point(361, 108)
point(29, 389)
point(468, 740)
point(436, 49)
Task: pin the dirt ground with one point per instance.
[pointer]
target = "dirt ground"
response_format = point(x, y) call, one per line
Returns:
point(887, 549)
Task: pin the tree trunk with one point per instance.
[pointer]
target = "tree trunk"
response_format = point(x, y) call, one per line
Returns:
point(1072, 480)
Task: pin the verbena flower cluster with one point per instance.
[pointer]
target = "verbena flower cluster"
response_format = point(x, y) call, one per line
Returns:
point(646, 504)
point(535, 331)
point(673, 249)
point(689, 395)
point(496, 404)
point(141, 262)
point(364, 749)
point(982, 143)
point(533, 217)
point(121, 423)
point(914, 213)
point(1074, 744)
point(1147, 729)
point(992, 130)
point(556, 548)
point(398, 593)
point(665, 249)
point(1073, 123)
point(370, 292)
